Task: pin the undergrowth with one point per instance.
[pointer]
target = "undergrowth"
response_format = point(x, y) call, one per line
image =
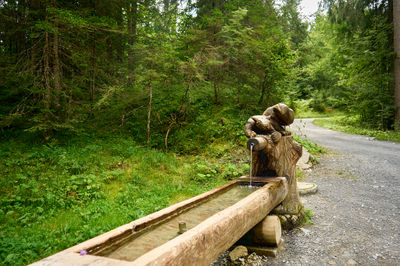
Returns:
point(303, 109)
point(308, 217)
point(311, 147)
point(58, 194)
point(352, 125)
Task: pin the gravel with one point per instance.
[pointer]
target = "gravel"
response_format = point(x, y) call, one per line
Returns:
point(357, 208)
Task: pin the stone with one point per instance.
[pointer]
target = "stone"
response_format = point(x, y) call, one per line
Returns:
point(306, 232)
point(266, 251)
point(237, 252)
point(303, 162)
point(294, 219)
point(305, 188)
point(351, 262)
point(252, 257)
point(283, 219)
point(331, 262)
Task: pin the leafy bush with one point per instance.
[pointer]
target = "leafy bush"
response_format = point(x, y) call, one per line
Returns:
point(202, 173)
point(353, 125)
point(311, 147)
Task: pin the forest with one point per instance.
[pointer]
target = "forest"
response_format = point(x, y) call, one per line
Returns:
point(110, 110)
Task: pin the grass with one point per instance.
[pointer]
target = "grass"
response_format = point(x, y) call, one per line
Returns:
point(55, 195)
point(308, 217)
point(312, 114)
point(312, 148)
point(299, 175)
point(353, 126)
point(303, 110)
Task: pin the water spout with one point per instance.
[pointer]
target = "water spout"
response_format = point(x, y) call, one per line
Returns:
point(251, 162)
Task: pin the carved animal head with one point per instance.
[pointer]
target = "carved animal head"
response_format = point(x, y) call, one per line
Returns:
point(281, 112)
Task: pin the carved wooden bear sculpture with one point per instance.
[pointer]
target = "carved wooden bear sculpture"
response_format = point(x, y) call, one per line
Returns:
point(272, 122)
point(276, 154)
point(271, 126)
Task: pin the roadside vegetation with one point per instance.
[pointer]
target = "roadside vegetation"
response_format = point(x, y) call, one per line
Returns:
point(305, 109)
point(353, 125)
point(57, 193)
point(54, 195)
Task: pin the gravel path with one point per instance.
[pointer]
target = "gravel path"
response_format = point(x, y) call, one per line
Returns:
point(357, 207)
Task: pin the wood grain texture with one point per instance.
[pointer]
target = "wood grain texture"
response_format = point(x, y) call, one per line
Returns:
point(204, 243)
point(268, 231)
point(121, 232)
point(198, 246)
point(279, 159)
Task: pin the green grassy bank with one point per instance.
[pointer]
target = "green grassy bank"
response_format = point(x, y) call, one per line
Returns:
point(353, 126)
point(59, 193)
point(56, 195)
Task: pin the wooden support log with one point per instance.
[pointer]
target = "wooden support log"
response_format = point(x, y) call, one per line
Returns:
point(268, 232)
point(204, 243)
point(198, 246)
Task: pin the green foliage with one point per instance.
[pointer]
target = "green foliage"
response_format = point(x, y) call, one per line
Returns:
point(233, 171)
point(312, 147)
point(348, 66)
point(299, 175)
point(75, 188)
point(304, 109)
point(308, 217)
point(354, 125)
point(92, 66)
point(203, 173)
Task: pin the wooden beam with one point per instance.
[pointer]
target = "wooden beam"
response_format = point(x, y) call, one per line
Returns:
point(198, 246)
point(204, 243)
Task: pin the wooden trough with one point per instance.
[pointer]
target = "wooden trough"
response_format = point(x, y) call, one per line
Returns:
point(200, 245)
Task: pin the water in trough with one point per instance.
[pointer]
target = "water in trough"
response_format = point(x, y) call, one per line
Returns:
point(135, 246)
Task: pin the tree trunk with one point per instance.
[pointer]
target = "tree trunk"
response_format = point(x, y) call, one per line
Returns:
point(92, 60)
point(396, 44)
point(56, 71)
point(35, 51)
point(279, 159)
point(47, 89)
point(215, 93)
point(132, 25)
point(238, 96)
point(22, 20)
point(171, 125)
point(47, 86)
point(149, 111)
point(92, 70)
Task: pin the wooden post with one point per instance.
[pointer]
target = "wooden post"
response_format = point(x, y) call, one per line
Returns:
point(279, 159)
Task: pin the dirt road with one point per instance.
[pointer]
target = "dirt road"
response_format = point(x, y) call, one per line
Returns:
point(357, 209)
